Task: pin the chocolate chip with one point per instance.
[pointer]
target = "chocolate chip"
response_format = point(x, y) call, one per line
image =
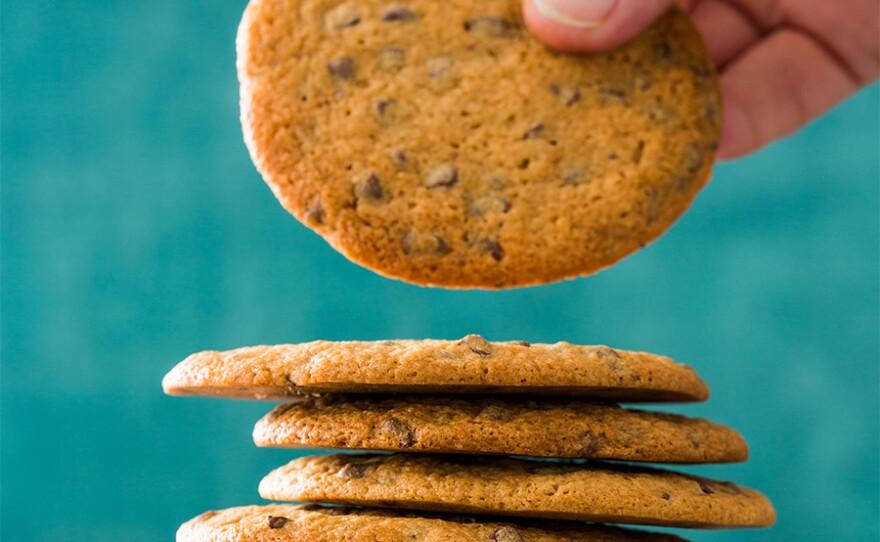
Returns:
point(663, 51)
point(492, 27)
point(637, 154)
point(342, 16)
point(652, 204)
point(391, 59)
point(534, 132)
point(635, 432)
point(389, 111)
point(444, 175)
point(693, 158)
point(590, 444)
point(314, 215)
point(607, 353)
point(439, 67)
point(277, 522)
point(608, 93)
point(576, 175)
point(416, 243)
point(398, 13)
point(370, 189)
point(477, 345)
point(521, 343)
point(643, 80)
point(567, 95)
point(400, 430)
point(492, 247)
point(701, 71)
point(506, 534)
point(486, 205)
point(665, 496)
point(337, 510)
point(383, 106)
point(494, 412)
point(341, 68)
point(705, 487)
point(353, 471)
point(399, 157)
point(659, 113)
point(206, 515)
point(730, 488)
point(695, 440)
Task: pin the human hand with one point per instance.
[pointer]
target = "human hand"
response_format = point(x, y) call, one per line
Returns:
point(781, 62)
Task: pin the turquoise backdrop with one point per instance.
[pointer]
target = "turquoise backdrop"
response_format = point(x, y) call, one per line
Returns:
point(135, 231)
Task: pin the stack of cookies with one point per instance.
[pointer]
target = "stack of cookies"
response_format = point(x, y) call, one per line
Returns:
point(452, 413)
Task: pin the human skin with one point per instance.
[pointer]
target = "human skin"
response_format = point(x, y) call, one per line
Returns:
point(782, 63)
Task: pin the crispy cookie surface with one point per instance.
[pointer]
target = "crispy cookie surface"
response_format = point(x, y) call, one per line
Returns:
point(471, 365)
point(540, 489)
point(309, 523)
point(440, 143)
point(545, 428)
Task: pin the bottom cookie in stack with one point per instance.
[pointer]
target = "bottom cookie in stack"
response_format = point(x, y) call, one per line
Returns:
point(441, 444)
point(312, 523)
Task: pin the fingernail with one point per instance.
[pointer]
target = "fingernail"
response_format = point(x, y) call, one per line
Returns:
point(587, 14)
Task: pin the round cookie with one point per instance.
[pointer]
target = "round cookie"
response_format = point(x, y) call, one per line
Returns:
point(572, 429)
point(441, 144)
point(310, 523)
point(539, 489)
point(471, 365)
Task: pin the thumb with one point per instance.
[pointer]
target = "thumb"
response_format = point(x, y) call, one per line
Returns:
point(590, 25)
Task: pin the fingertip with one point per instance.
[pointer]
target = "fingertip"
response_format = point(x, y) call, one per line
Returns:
point(737, 133)
point(590, 25)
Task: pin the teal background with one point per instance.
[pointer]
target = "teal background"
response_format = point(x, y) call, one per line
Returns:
point(135, 231)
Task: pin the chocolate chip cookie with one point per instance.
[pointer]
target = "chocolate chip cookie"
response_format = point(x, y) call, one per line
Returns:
point(440, 143)
point(310, 523)
point(470, 365)
point(572, 429)
point(287, 523)
point(539, 489)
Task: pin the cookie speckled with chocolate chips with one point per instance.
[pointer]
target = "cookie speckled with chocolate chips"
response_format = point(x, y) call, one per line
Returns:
point(310, 523)
point(470, 365)
point(545, 428)
point(440, 143)
point(538, 489)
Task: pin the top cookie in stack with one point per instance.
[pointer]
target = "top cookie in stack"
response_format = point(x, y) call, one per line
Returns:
point(441, 144)
point(443, 407)
point(471, 365)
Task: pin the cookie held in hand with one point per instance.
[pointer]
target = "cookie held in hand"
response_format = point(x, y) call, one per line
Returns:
point(440, 143)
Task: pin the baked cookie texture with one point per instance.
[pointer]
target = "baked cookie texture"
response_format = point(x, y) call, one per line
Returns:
point(467, 484)
point(441, 144)
point(309, 523)
point(470, 365)
point(569, 429)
